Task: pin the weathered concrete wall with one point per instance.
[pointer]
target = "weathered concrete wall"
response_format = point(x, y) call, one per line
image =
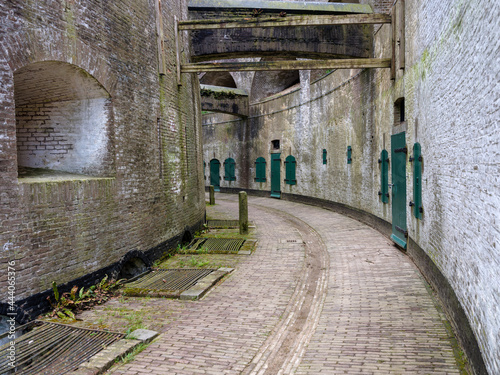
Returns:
point(451, 92)
point(148, 187)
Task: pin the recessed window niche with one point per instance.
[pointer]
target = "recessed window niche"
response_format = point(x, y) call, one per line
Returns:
point(63, 121)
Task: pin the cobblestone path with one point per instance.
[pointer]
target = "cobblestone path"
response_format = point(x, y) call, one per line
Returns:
point(322, 294)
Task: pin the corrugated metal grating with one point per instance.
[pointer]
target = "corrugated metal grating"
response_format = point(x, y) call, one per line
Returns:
point(174, 280)
point(216, 245)
point(223, 224)
point(52, 348)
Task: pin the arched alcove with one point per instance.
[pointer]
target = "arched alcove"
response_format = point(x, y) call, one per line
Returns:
point(267, 83)
point(63, 120)
point(224, 79)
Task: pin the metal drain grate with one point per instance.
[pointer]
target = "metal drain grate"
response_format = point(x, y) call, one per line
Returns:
point(52, 348)
point(216, 245)
point(220, 224)
point(174, 280)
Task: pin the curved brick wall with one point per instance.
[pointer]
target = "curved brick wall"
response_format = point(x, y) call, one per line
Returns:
point(451, 107)
point(85, 72)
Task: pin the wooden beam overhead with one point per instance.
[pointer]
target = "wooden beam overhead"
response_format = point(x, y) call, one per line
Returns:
point(254, 22)
point(286, 65)
point(301, 7)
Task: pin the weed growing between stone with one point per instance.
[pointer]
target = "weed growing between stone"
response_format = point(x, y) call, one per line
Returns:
point(78, 299)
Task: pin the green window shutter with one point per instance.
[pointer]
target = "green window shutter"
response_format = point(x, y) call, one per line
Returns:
point(229, 169)
point(417, 159)
point(349, 154)
point(290, 166)
point(260, 170)
point(384, 176)
point(324, 156)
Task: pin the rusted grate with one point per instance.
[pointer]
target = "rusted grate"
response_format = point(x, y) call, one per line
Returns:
point(172, 280)
point(220, 224)
point(216, 245)
point(52, 348)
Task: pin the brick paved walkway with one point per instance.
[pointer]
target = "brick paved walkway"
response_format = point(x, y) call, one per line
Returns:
point(322, 294)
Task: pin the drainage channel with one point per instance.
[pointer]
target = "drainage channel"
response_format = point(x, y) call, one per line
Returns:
point(211, 245)
point(224, 224)
point(170, 281)
point(53, 348)
point(189, 284)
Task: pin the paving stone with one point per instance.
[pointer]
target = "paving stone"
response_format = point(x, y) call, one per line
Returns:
point(374, 315)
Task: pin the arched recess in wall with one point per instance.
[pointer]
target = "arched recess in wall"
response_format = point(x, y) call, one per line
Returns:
point(269, 83)
point(63, 120)
point(224, 79)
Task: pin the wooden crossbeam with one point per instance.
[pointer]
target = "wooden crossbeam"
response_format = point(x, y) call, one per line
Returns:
point(254, 22)
point(286, 65)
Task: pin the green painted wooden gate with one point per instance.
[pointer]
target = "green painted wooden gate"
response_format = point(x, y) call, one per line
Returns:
point(275, 175)
point(215, 174)
point(398, 174)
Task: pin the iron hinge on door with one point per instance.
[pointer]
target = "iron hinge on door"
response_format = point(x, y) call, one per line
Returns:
point(399, 229)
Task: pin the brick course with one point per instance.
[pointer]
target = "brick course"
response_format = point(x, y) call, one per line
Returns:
point(146, 193)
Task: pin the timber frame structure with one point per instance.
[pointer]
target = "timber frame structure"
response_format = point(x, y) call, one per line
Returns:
point(292, 21)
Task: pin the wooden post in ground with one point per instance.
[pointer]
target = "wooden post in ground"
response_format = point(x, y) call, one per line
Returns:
point(243, 212)
point(212, 195)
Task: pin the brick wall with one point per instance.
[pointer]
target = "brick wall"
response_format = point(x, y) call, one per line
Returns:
point(451, 96)
point(144, 189)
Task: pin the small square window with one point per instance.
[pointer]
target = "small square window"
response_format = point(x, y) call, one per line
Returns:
point(275, 144)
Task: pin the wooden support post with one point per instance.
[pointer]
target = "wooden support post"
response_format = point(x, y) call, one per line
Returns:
point(211, 195)
point(401, 34)
point(286, 65)
point(177, 50)
point(393, 43)
point(243, 201)
point(159, 38)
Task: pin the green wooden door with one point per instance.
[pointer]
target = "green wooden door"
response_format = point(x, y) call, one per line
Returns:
point(275, 176)
point(215, 174)
point(398, 174)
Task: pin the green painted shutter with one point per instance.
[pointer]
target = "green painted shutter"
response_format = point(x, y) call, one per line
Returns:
point(215, 174)
point(324, 156)
point(229, 169)
point(384, 176)
point(260, 170)
point(398, 173)
point(290, 166)
point(275, 175)
point(349, 154)
point(417, 182)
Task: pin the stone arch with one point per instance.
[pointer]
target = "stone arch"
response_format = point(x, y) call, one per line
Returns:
point(224, 79)
point(268, 83)
point(63, 120)
point(131, 264)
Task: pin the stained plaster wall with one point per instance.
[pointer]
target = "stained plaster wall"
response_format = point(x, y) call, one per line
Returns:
point(451, 92)
point(152, 189)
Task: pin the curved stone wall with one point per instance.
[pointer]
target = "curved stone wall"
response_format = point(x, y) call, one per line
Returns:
point(147, 192)
point(450, 108)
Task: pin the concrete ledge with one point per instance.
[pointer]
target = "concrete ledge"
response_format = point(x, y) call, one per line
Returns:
point(248, 247)
point(201, 287)
point(103, 360)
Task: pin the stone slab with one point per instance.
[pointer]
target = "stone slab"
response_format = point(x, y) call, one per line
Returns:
point(201, 287)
